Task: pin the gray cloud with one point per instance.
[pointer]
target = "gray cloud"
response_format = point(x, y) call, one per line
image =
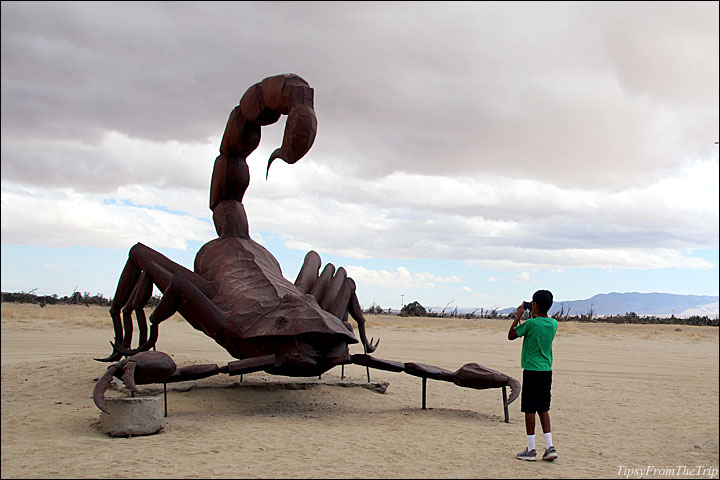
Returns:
point(492, 132)
point(566, 93)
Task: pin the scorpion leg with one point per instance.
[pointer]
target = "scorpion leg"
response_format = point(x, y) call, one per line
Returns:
point(143, 294)
point(334, 292)
point(184, 296)
point(308, 274)
point(139, 298)
point(338, 293)
point(160, 269)
point(126, 284)
point(322, 284)
point(357, 314)
point(159, 276)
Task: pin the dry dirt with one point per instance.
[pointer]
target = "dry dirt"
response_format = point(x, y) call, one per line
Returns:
point(627, 396)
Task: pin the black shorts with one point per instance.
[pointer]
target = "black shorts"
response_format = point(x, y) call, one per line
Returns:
point(535, 391)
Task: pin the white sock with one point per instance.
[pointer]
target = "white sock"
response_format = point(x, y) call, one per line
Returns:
point(531, 442)
point(548, 439)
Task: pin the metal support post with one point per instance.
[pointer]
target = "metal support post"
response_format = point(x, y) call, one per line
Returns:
point(366, 368)
point(507, 416)
point(424, 391)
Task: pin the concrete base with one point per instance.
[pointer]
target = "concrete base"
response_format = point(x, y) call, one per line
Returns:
point(132, 416)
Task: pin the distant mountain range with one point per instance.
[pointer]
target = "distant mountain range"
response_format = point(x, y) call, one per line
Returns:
point(658, 304)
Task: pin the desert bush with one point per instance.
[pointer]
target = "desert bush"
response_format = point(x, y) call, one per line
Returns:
point(413, 309)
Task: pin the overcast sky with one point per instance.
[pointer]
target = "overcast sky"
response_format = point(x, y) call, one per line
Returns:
point(472, 152)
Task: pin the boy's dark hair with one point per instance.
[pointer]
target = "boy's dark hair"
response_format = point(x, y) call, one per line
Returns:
point(544, 300)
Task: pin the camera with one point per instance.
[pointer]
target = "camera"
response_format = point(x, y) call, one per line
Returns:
point(527, 306)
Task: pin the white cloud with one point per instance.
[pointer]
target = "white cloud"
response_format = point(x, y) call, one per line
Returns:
point(62, 218)
point(534, 226)
point(639, 258)
point(465, 289)
point(400, 278)
point(522, 277)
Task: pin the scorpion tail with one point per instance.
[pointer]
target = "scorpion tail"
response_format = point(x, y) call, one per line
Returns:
point(101, 387)
point(263, 104)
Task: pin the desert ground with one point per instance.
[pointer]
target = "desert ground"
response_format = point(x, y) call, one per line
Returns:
point(625, 399)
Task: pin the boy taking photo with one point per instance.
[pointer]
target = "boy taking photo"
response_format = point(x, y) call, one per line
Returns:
point(536, 360)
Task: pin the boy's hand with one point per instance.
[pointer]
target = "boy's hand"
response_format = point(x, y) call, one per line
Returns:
point(512, 334)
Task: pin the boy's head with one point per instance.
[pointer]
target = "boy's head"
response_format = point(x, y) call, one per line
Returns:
point(544, 300)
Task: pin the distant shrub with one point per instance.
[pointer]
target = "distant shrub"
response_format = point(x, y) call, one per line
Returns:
point(634, 318)
point(413, 309)
point(75, 299)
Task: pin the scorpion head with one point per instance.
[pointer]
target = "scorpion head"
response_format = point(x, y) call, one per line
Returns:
point(305, 339)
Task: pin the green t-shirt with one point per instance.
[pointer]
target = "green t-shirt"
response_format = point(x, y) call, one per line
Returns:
point(539, 333)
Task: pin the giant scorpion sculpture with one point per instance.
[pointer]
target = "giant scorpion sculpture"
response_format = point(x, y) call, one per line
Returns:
point(237, 294)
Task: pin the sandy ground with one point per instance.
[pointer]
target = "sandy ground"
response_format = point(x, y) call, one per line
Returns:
point(625, 398)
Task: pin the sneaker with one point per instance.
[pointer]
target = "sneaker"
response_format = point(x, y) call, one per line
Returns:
point(530, 456)
point(550, 454)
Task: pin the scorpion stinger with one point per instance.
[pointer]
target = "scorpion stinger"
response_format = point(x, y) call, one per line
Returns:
point(262, 104)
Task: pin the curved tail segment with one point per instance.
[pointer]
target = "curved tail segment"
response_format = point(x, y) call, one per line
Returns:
point(263, 104)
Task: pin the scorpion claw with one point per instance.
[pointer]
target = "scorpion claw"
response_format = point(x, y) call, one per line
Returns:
point(143, 368)
point(100, 387)
point(128, 377)
point(515, 388)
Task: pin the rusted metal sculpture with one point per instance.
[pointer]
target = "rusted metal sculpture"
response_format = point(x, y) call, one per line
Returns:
point(237, 294)
point(143, 367)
